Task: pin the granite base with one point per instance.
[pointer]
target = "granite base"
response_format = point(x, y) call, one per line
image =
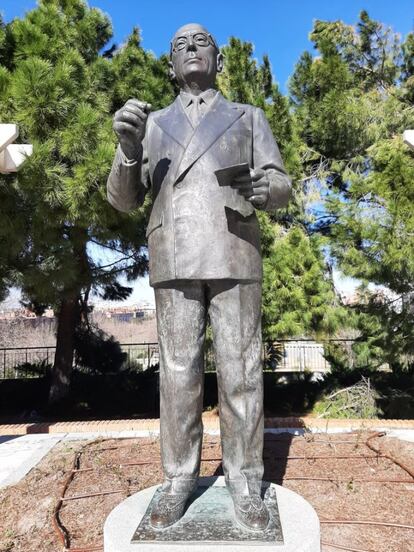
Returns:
point(208, 524)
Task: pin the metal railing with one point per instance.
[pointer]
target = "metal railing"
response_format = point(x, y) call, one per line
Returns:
point(296, 355)
point(284, 355)
point(141, 355)
point(25, 362)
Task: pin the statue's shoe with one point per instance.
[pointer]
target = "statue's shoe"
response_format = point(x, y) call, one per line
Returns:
point(251, 512)
point(168, 509)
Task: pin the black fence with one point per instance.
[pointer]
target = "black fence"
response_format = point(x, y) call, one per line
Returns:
point(284, 355)
point(25, 362)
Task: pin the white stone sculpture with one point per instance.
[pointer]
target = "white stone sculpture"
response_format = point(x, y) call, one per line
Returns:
point(12, 156)
point(408, 137)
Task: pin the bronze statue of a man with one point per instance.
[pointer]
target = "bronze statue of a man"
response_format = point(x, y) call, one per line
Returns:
point(204, 260)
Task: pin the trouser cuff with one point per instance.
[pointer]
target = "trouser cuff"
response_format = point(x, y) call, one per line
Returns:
point(179, 485)
point(243, 486)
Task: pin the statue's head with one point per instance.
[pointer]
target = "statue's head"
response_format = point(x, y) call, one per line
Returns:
point(194, 56)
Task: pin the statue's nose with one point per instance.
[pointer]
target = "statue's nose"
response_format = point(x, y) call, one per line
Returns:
point(191, 45)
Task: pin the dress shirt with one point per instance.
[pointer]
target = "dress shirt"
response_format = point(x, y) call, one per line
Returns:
point(197, 106)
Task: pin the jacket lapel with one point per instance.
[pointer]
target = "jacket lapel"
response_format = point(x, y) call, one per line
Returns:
point(216, 121)
point(174, 122)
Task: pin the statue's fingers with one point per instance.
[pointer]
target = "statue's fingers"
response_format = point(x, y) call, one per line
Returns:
point(244, 178)
point(260, 183)
point(134, 110)
point(124, 127)
point(246, 192)
point(261, 189)
point(257, 174)
point(145, 106)
point(128, 117)
point(257, 199)
point(242, 187)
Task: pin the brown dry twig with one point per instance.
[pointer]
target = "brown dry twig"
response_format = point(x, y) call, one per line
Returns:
point(340, 547)
point(365, 522)
point(386, 454)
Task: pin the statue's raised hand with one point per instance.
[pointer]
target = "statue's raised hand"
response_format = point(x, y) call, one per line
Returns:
point(129, 125)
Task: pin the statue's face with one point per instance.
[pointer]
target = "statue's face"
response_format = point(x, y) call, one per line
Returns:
point(194, 55)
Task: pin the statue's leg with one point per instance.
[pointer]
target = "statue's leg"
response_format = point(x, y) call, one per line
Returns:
point(181, 322)
point(235, 314)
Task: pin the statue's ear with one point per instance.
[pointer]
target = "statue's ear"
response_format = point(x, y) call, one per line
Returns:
point(171, 72)
point(220, 62)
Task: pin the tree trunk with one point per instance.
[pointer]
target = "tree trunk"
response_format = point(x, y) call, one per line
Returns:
point(62, 368)
point(68, 319)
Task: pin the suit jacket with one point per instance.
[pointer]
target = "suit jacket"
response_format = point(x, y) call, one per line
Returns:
point(198, 229)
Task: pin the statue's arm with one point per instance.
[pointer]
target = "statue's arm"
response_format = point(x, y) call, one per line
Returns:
point(266, 156)
point(128, 181)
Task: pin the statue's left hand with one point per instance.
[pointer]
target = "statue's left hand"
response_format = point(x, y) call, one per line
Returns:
point(254, 187)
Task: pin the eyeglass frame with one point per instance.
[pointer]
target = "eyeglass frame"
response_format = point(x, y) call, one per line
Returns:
point(210, 39)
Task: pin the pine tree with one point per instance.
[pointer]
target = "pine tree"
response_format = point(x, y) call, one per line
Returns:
point(57, 86)
point(353, 103)
point(298, 294)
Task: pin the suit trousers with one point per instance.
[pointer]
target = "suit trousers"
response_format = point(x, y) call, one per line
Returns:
point(234, 309)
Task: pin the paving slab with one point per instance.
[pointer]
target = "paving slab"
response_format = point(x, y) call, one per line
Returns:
point(18, 456)
point(403, 434)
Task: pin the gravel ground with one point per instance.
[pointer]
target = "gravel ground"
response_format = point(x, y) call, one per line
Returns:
point(340, 489)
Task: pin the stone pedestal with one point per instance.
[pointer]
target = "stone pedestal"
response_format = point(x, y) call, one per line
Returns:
point(208, 524)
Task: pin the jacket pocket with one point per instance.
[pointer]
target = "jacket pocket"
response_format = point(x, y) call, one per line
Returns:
point(154, 223)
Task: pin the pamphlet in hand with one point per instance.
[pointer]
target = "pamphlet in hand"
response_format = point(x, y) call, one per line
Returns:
point(227, 175)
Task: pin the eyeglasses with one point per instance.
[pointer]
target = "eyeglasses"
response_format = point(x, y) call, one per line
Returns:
point(200, 39)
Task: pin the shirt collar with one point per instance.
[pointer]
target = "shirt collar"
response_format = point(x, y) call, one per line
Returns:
point(207, 97)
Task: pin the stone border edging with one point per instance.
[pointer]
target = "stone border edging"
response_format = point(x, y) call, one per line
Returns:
point(210, 423)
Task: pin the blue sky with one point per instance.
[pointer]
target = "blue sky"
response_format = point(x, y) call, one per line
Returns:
point(278, 28)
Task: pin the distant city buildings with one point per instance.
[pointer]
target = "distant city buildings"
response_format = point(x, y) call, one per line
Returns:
point(12, 314)
point(124, 313)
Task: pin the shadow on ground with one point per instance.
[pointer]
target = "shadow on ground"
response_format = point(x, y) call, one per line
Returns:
point(275, 452)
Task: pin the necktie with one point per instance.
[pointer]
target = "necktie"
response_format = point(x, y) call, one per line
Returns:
point(196, 111)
